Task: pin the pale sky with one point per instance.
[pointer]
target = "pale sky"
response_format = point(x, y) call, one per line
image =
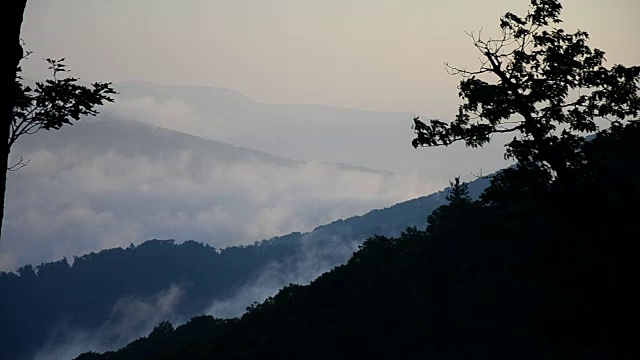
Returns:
point(367, 54)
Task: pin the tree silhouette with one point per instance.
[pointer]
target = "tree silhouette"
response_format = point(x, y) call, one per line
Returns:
point(54, 103)
point(48, 105)
point(458, 191)
point(539, 82)
point(163, 328)
point(12, 15)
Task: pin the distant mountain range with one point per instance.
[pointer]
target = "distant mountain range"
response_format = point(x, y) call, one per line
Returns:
point(378, 140)
point(303, 132)
point(128, 137)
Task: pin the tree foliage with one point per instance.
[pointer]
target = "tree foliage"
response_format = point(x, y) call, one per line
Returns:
point(539, 82)
point(54, 103)
point(12, 15)
point(458, 191)
point(48, 105)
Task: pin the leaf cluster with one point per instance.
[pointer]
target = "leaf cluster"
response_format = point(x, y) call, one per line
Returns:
point(56, 102)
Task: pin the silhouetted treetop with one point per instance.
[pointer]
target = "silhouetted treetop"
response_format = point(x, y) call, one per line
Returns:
point(47, 105)
point(51, 104)
point(458, 191)
point(539, 82)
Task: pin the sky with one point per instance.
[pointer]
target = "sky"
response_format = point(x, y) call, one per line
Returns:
point(366, 54)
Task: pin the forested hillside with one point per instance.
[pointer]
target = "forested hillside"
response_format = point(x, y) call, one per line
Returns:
point(527, 272)
point(46, 303)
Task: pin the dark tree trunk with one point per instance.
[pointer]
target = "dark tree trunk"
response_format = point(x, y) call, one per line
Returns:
point(12, 14)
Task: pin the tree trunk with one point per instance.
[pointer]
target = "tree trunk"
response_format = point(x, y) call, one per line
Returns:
point(12, 14)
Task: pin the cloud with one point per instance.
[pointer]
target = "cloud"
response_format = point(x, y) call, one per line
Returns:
point(130, 318)
point(313, 259)
point(69, 202)
point(91, 187)
point(170, 113)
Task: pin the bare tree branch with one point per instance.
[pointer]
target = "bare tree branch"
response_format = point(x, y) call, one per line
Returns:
point(19, 165)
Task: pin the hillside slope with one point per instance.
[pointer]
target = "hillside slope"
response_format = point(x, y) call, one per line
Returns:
point(514, 276)
point(94, 291)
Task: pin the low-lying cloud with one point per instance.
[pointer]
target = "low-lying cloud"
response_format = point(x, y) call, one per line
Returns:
point(91, 187)
point(313, 259)
point(72, 199)
point(130, 318)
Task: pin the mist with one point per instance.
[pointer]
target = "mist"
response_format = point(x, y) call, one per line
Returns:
point(130, 318)
point(376, 140)
point(110, 182)
point(313, 259)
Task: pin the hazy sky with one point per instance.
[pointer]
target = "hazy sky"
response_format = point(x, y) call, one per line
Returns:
point(369, 54)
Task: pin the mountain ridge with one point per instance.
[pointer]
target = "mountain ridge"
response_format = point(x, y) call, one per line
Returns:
point(326, 133)
point(83, 133)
